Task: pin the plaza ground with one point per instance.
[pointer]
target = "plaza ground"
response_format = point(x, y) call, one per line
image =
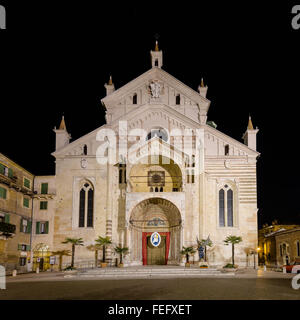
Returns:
point(245, 285)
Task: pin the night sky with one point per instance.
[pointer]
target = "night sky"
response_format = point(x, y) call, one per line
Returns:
point(55, 59)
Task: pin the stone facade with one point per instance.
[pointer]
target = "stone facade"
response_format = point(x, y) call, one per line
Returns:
point(118, 199)
point(157, 165)
point(16, 194)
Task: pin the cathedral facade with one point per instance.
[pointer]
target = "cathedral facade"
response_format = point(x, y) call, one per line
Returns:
point(157, 165)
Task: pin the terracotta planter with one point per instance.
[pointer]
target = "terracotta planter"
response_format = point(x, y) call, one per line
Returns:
point(120, 265)
point(187, 265)
point(103, 264)
point(203, 267)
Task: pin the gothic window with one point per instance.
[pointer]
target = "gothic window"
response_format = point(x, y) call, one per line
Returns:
point(178, 99)
point(86, 206)
point(226, 149)
point(226, 207)
point(134, 99)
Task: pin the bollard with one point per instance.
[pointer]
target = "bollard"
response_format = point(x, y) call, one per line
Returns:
point(14, 273)
point(265, 268)
point(37, 270)
point(284, 269)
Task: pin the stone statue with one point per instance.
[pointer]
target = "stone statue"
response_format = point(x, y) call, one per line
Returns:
point(155, 89)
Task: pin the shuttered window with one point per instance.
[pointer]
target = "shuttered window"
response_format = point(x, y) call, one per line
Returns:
point(26, 202)
point(10, 173)
point(2, 169)
point(3, 193)
point(221, 208)
point(27, 183)
point(42, 227)
point(43, 205)
point(44, 188)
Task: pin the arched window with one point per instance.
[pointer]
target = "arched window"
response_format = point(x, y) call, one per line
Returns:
point(226, 207)
point(85, 149)
point(86, 206)
point(134, 99)
point(178, 99)
point(156, 62)
point(226, 150)
point(156, 189)
point(161, 189)
point(151, 189)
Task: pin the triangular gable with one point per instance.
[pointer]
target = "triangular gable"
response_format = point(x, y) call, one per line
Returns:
point(149, 75)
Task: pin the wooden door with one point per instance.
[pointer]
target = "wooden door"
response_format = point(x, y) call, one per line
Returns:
point(156, 255)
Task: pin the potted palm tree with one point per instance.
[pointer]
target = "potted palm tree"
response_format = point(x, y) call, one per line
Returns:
point(75, 242)
point(60, 254)
point(95, 248)
point(122, 251)
point(187, 251)
point(233, 240)
point(103, 242)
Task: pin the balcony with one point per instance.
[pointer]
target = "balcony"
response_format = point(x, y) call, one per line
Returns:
point(7, 230)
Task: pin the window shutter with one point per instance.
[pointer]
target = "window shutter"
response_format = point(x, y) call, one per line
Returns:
point(21, 225)
point(37, 231)
point(28, 229)
point(19, 247)
point(28, 247)
point(2, 193)
point(46, 227)
point(6, 218)
point(10, 173)
point(44, 188)
point(2, 168)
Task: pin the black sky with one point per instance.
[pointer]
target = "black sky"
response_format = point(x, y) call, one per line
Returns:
point(55, 59)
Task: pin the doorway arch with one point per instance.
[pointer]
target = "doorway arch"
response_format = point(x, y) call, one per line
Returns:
point(155, 215)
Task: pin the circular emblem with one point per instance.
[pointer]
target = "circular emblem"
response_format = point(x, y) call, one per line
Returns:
point(155, 239)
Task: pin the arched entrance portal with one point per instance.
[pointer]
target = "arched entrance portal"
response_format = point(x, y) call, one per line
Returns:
point(155, 215)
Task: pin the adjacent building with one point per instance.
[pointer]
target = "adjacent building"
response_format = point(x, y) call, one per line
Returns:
point(278, 244)
point(16, 211)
